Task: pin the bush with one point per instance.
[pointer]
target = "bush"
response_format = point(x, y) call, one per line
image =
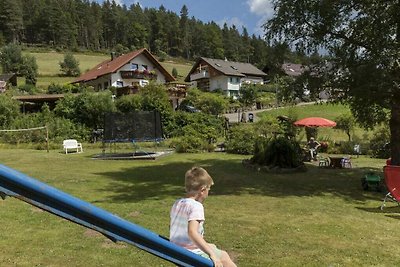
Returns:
point(241, 139)
point(9, 110)
point(379, 143)
point(278, 152)
point(58, 129)
point(70, 66)
point(207, 125)
point(191, 144)
point(194, 132)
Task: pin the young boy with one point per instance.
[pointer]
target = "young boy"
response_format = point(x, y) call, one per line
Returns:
point(187, 219)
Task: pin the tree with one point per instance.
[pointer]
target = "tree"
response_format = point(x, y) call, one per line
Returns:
point(70, 66)
point(208, 102)
point(362, 39)
point(11, 22)
point(11, 59)
point(174, 72)
point(184, 31)
point(30, 69)
point(346, 123)
point(87, 108)
point(9, 110)
point(248, 95)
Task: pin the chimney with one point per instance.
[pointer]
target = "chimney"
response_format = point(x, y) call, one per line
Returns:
point(112, 56)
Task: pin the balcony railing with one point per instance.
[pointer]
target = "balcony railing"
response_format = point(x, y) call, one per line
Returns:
point(134, 74)
point(200, 75)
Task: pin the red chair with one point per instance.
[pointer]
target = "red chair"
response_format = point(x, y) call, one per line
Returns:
point(392, 181)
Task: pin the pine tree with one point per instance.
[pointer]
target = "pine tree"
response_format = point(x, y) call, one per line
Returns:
point(11, 22)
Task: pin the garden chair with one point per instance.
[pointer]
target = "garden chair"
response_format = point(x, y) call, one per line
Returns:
point(72, 144)
point(346, 162)
point(323, 162)
point(392, 182)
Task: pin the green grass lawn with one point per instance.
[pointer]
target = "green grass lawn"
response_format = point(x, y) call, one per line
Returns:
point(318, 218)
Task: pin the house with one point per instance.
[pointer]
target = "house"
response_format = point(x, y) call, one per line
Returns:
point(127, 73)
point(7, 80)
point(293, 70)
point(211, 74)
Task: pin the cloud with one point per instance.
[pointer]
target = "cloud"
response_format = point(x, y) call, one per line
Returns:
point(261, 8)
point(264, 10)
point(231, 21)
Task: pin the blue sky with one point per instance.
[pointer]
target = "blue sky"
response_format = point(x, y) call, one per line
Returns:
point(248, 13)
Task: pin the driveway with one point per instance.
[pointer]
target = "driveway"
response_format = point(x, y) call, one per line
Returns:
point(235, 117)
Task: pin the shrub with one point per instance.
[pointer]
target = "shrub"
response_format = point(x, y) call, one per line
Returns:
point(379, 143)
point(278, 152)
point(208, 125)
point(58, 129)
point(241, 139)
point(9, 110)
point(129, 103)
point(70, 66)
point(190, 144)
point(88, 108)
point(174, 72)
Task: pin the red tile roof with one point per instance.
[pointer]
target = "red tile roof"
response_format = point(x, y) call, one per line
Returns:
point(111, 66)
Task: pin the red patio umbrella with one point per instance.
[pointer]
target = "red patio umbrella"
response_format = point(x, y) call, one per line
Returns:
point(315, 122)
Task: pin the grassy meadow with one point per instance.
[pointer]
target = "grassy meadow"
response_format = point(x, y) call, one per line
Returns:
point(49, 67)
point(325, 110)
point(321, 217)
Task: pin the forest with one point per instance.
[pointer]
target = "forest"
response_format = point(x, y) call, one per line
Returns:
point(83, 25)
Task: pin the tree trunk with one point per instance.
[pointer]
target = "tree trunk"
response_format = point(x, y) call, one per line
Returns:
point(395, 131)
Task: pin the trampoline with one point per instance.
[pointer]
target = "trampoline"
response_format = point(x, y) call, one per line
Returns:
point(134, 128)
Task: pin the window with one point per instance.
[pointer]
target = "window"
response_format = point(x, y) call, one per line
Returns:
point(233, 67)
point(234, 79)
point(134, 66)
point(217, 64)
point(144, 67)
point(120, 83)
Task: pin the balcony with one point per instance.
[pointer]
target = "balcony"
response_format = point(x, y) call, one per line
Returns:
point(200, 75)
point(136, 74)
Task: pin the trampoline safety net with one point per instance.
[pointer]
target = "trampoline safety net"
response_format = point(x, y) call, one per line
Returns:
point(133, 126)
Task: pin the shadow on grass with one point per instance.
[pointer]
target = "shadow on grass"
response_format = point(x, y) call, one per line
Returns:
point(389, 211)
point(165, 179)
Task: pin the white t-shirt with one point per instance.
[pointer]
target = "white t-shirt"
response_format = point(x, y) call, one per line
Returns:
point(183, 211)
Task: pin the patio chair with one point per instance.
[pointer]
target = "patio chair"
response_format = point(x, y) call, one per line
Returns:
point(392, 182)
point(346, 162)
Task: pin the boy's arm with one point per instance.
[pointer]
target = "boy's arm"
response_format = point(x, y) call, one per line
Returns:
point(201, 243)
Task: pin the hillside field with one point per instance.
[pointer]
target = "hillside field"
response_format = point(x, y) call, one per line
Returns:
point(49, 66)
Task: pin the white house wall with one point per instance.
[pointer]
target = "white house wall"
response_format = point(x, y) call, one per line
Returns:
point(100, 83)
point(252, 80)
point(139, 60)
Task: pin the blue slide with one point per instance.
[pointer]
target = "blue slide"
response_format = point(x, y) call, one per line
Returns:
point(25, 188)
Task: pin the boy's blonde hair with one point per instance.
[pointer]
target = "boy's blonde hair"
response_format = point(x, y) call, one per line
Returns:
point(196, 178)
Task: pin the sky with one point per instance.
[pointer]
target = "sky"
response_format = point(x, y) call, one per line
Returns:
point(248, 13)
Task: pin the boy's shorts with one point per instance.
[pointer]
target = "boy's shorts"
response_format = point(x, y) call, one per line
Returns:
point(205, 255)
